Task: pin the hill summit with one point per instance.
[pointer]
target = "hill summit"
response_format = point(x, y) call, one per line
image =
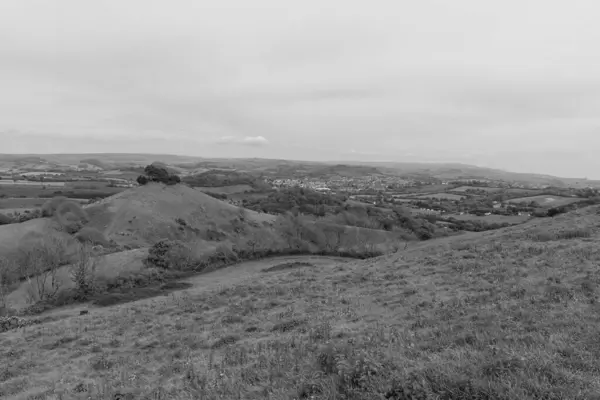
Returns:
point(140, 216)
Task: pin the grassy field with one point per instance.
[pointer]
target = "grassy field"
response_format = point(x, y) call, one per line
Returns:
point(486, 189)
point(530, 192)
point(509, 314)
point(9, 191)
point(511, 219)
point(18, 204)
point(546, 200)
point(226, 189)
point(444, 196)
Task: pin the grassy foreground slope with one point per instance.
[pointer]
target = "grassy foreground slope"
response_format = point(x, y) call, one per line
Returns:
point(508, 314)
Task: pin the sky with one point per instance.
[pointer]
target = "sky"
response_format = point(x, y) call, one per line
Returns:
point(512, 84)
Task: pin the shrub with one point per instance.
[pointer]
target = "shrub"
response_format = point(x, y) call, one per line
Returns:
point(219, 196)
point(142, 180)
point(5, 219)
point(169, 254)
point(28, 215)
point(67, 213)
point(92, 236)
point(83, 272)
point(158, 174)
point(225, 254)
point(49, 208)
point(40, 263)
point(574, 233)
point(556, 211)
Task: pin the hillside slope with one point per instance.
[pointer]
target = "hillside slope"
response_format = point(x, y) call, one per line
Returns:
point(14, 236)
point(508, 314)
point(143, 215)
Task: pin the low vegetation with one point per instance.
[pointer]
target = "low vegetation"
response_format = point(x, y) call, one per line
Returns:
point(219, 178)
point(154, 173)
point(503, 317)
point(299, 295)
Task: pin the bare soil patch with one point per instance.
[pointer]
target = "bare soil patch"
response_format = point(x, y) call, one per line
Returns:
point(288, 265)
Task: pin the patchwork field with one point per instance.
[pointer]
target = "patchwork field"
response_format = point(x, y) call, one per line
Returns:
point(486, 189)
point(444, 196)
point(511, 219)
point(547, 200)
point(16, 191)
point(530, 192)
point(226, 189)
point(18, 204)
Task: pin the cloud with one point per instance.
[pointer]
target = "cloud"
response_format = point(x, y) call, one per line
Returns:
point(317, 78)
point(247, 140)
point(255, 141)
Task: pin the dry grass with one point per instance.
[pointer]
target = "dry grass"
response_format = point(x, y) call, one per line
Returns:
point(497, 315)
point(27, 233)
point(143, 215)
point(109, 267)
point(547, 200)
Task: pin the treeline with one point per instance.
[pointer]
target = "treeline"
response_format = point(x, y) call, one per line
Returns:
point(590, 201)
point(474, 225)
point(297, 200)
point(217, 178)
point(396, 219)
point(335, 209)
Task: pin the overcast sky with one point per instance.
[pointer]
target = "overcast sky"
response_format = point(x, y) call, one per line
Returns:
point(512, 84)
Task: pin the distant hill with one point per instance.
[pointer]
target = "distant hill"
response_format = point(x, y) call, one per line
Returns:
point(188, 164)
point(449, 171)
point(97, 163)
point(348, 171)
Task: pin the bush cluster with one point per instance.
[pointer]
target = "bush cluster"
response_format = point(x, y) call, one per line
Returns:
point(153, 173)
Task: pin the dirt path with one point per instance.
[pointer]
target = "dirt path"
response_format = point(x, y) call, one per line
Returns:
point(245, 270)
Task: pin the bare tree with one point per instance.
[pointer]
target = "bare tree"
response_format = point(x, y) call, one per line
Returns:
point(83, 270)
point(39, 264)
point(6, 271)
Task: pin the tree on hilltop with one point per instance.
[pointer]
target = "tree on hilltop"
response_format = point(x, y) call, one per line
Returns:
point(154, 173)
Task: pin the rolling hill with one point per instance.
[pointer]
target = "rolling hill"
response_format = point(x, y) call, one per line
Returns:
point(187, 164)
point(141, 216)
point(508, 314)
point(450, 171)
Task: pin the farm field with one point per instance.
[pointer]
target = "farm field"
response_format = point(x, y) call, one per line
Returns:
point(486, 189)
point(8, 191)
point(511, 219)
point(547, 200)
point(530, 192)
point(225, 189)
point(18, 204)
point(31, 183)
point(427, 189)
point(444, 196)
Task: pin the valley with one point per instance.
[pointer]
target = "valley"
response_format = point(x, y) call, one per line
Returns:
point(215, 284)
